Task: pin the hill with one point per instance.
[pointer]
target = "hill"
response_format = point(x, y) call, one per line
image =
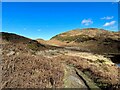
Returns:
point(21, 42)
point(92, 39)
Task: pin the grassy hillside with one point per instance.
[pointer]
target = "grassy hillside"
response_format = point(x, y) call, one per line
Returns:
point(96, 40)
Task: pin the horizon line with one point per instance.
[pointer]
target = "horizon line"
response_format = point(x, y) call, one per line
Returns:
point(55, 34)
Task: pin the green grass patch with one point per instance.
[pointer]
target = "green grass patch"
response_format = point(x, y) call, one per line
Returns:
point(78, 38)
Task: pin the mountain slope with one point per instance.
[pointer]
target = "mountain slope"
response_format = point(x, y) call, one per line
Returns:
point(21, 42)
point(92, 39)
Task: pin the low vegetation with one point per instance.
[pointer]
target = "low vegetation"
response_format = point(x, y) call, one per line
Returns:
point(78, 38)
point(27, 63)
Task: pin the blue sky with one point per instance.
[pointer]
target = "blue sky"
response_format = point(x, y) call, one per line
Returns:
point(44, 20)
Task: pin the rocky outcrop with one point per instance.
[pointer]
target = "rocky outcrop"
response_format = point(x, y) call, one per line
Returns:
point(74, 78)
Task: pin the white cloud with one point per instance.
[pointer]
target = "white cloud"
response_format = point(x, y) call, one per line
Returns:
point(108, 17)
point(87, 22)
point(109, 23)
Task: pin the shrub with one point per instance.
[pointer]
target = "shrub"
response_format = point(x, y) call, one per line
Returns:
point(33, 47)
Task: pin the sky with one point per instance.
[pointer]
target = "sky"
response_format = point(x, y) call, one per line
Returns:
point(60, 0)
point(47, 19)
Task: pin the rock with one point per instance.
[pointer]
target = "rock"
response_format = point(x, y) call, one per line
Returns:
point(87, 80)
point(71, 80)
point(74, 78)
point(11, 53)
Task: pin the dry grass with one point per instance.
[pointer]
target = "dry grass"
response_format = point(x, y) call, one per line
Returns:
point(31, 71)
